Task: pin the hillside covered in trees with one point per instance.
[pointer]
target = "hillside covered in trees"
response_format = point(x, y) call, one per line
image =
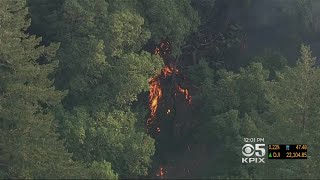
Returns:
point(117, 89)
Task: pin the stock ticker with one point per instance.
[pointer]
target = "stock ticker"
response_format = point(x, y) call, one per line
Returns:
point(285, 151)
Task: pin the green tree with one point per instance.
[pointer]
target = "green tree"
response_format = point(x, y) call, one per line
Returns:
point(294, 97)
point(29, 144)
point(103, 69)
point(45, 15)
point(272, 61)
point(293, 101)
point(232, 111)
point(127, 32)
point(170, 19)
point(243, 91)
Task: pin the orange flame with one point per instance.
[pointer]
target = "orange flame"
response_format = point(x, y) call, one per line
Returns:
point(168, 71)
point(155, 93)
point(163, 49)
point(161, 173)
point(186, 94)
point(157, 51)
point(154, 96)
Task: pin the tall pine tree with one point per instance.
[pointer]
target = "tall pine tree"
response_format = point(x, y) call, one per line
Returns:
point(29, 146)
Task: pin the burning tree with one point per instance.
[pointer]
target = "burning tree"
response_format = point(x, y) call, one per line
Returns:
point(170, 74)
point(164, 96)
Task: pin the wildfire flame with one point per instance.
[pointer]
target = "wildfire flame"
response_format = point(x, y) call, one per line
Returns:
point(155, 93)
point(163, 49)
point(168, 71)
point(186, 94)
point(161, 172)
point(157, 51)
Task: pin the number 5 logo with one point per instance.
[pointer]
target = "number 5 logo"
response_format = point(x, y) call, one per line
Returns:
point(260, 147)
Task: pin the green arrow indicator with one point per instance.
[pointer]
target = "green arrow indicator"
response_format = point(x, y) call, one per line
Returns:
point(270, 155)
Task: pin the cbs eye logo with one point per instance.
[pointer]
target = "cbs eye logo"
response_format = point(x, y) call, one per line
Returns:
point(249, 150)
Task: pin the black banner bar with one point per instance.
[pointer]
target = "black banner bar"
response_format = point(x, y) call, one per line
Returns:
point(287, 151)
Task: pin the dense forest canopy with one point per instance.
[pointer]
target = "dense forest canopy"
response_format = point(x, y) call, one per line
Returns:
point(114, 89)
